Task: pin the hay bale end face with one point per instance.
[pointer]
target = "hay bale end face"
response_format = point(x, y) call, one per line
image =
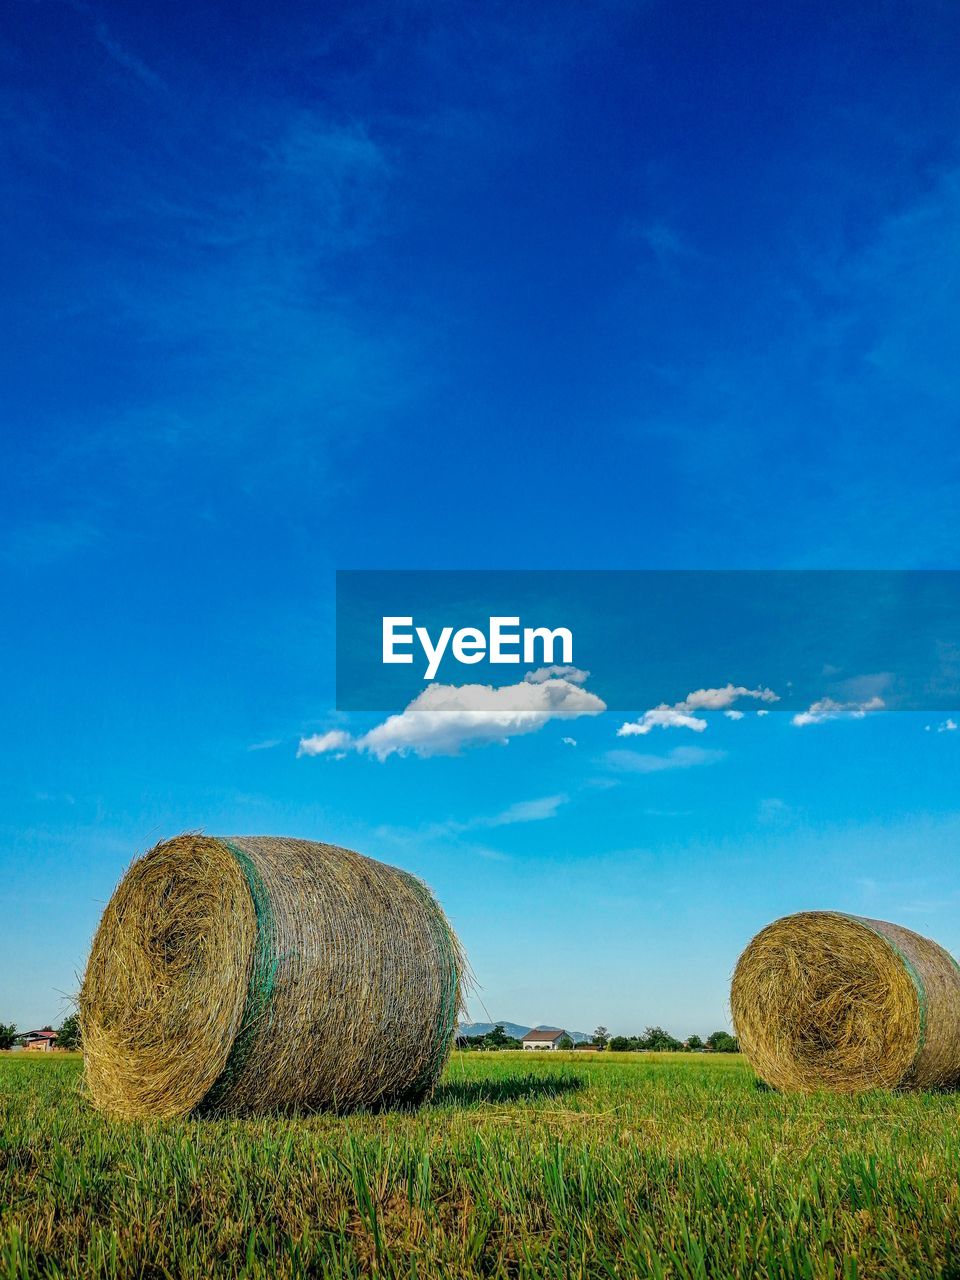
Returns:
point(823, 1000)
point(245, 974)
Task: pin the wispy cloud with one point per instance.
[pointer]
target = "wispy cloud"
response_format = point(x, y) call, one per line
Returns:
point(446, 718)
point(124, 58)
point(118, 52)
point(47, 797)
point(542, 809)
point(829, 709)
point(773, 811)
point(491, 855)
point(865, 335)
point(661, 240)
point(919, 894)
point(682, 715)
point(443, 837)
point(539, 810)
point(679, 758)
point(527, 811)
point(266, 745)
point(220, 255)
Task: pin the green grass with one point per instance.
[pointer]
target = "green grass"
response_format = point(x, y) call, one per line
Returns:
point(612, 1165)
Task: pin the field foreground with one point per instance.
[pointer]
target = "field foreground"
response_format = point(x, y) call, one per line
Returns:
point(560, 1165)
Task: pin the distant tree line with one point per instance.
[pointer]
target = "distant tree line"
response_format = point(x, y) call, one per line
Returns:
point(655, 1039)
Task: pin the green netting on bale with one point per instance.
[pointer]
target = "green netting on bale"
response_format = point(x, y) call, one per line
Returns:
point(263, 974)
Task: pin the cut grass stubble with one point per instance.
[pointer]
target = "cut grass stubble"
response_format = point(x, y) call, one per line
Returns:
point(630, 1165)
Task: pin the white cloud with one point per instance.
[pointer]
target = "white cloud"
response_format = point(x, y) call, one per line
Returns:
point(948, 726)
point(569, 742)
point(678, 758)
point(763, 712)
point(716, 699)
point(444, 718)
point(266, 745)
point(573, 674)
point(681, 714)
point(664, 717)
point(829, 709)
point(320, 743)
point(731, 714)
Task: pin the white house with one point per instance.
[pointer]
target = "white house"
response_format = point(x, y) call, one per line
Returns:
point(543, 1038)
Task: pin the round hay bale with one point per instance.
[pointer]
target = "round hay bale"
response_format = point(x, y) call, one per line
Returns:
point(245, 974)
point(823, 1000)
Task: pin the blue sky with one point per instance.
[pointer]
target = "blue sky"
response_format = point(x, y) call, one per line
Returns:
point(423, 286)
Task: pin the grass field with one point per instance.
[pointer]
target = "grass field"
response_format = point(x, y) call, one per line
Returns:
point(613, 1165)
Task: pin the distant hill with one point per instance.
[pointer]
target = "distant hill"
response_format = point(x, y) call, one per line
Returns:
point(513, 1029)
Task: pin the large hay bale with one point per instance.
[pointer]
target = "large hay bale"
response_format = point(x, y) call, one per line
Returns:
point(823, 1000)
point(243, 974)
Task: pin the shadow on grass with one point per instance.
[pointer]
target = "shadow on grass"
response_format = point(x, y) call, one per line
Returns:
point(453, 1094)
point(525, 1088)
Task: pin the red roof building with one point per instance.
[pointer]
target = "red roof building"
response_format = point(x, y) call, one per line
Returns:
point(39, 1041)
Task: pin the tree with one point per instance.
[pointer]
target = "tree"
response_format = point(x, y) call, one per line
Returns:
point(620, 1044)
point(601, 1037)
point(694, 1042)
point(496, 1038)
point(68, 1033)
point(722, 1042)
point(8, 1034)
point(564, 1043)
point(661, 1041)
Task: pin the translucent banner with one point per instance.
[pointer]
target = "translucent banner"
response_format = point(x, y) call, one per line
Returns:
point(787, 639)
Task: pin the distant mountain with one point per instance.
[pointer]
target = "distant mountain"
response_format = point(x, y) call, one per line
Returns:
point(512, 1029)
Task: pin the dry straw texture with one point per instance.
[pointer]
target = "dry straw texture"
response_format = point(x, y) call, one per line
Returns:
point(822, 1000)
point(245, 974)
